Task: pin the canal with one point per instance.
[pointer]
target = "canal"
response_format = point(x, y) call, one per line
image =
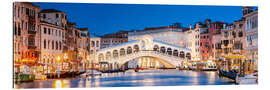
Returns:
point(133, 79)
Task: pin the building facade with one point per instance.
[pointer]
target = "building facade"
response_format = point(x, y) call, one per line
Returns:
point(168, 34)
point(194, 42)
point(51, 46)
point(206, 39)
point(94, 47)
point(251, 25)
point(26, 35)
point(53, 16)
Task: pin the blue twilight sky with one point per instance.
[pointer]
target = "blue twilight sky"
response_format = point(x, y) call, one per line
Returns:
point(110, 18)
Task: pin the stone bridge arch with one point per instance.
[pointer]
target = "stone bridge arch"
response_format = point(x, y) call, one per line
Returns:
point(169, 54)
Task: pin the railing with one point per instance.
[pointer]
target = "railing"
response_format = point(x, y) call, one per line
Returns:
point(32, 47)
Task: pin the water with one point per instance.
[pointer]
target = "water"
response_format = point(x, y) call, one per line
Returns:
point(133, 79)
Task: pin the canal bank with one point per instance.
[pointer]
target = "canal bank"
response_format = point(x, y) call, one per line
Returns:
point(133, 79)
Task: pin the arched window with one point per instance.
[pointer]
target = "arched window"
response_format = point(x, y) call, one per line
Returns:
point(188, 56)
point(169, 51)
point(93, 43)
point(156, 48)
point(91, 51)
point(115, 53)
point(97, 44)
point(56, 45)
point(129, 50)
point(182, 54)
point(162, 49)
point(43, 61)
point(136, 48)
point(108, 55)
point(100, 57)
point(49, 44)
point(60, 46)
point(122, 52)
point(52, 44)
point(175, 52)
point(44, 44)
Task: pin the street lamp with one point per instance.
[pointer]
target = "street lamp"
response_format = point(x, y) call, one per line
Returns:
point(65, 59)
point(58, 60)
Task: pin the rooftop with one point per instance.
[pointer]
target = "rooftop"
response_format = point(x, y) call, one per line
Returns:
point(49, 11)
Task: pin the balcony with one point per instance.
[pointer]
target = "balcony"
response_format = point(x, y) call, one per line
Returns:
point(31, 32)
point(32, 47)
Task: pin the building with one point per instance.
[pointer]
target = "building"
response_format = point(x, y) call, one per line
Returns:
point(108, 40)
point(217, 51)
point(53, 16)
point(94, 47)
point(84, 47)
point(73, 39)
point(26, 36)
point(194, 42)
point(233, 46)
point(251, 25)
point(206, 39)
point(168, 34)
point(52, 37)
point(64, 41)
point(53, 29)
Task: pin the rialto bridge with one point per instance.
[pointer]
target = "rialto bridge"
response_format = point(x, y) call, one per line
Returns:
point(171, 56)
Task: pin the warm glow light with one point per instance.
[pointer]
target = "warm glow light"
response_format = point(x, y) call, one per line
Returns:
point(65, 56)
point(58, 84)
point(58, 58)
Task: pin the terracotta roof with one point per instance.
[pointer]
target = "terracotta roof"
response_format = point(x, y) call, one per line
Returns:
point(83, 29)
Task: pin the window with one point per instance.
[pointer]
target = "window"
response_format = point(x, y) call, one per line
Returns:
point(45, 30)
point(15, 29)
point(56, 32)
point(49, 44)
point(18, 12)
point(49, 31)
point(56, 15)
point(97, 44)
point(44, 16)
point(240, 34)
point(31, 41)
point(56, 45)
point(234, 34)
point(27, 11)
point(60, 45)
point(59, 33)
point(63, 16)
point(226, 34)
point(93, 43)
point(44, 44)
point(19, 30)
point(52, 44)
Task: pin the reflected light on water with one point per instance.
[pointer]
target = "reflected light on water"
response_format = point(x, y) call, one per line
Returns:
point(66, 83)
point(195, 80)
point(58, 84)
point(142, 78)
point(148, 82)
point(88, 82)
point(97, 83)
point(212, 77)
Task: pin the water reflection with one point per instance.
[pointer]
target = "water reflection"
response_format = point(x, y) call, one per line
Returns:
point(58, 84)
point(144, 78)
